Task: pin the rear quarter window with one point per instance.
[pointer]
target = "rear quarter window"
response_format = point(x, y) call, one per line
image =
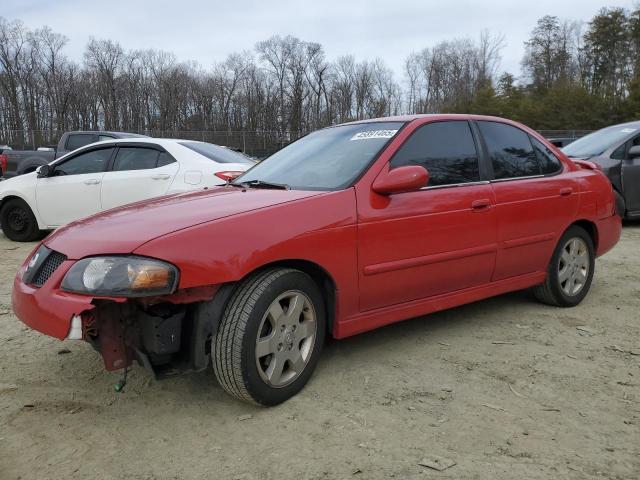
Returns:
point(549, 163)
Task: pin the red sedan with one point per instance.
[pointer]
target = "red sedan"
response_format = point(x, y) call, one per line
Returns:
point(350, 228)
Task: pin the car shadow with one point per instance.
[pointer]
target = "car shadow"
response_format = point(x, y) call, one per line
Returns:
point(437, 329)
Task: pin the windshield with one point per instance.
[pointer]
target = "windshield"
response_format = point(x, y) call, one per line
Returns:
point(597, 143)
point(217, 153)
point(327, 159)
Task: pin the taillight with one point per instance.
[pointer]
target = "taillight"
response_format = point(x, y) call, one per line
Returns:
point(227, 176)
point(3, 163)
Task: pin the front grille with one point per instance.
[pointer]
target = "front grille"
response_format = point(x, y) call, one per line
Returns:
point(50, 265)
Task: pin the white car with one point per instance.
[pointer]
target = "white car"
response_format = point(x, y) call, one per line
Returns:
point(109, 174)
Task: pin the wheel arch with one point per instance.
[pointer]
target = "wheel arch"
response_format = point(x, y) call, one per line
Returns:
point(207, 315)
point(320, 276)
point(590, 228)
point(7, 198)
point(14, 196)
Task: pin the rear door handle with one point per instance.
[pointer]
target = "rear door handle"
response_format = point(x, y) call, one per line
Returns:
point(161, 176)
point(566, 191)
point(92, 181)
point(482, 204)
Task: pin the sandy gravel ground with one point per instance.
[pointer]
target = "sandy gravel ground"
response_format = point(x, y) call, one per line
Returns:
point(505, 388)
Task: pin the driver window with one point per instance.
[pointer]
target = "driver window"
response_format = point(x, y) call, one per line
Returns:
point(94, 161)
point(446, 149)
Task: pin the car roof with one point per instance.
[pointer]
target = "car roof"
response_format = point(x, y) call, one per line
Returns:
point(109, 132)
point(635, 123)
point(156, 141)
point(431, 116)
point(163, 142)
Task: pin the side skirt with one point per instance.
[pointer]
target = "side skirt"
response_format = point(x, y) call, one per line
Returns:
point(370, 320)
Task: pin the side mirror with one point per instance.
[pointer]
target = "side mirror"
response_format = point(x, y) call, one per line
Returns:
point(634, 152)
point(44, 171)
point(402, 179)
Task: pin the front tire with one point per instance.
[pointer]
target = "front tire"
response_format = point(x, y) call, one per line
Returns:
point(570, 271)
point(270, 336)
point(18, 221)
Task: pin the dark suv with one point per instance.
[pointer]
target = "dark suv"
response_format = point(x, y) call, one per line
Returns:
point(616, 150)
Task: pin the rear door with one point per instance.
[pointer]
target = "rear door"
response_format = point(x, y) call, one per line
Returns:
point(436, 240)
point(535, 200)
point(73, 190)
point(137, 173)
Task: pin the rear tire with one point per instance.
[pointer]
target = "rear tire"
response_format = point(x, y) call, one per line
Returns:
point(270, 336)
point(18, 222)
point(570, 271)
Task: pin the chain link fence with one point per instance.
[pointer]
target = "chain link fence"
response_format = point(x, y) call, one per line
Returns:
point(256, 144)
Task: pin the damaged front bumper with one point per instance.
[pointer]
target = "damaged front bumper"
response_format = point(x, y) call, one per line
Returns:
point(46, 308)
point(166, 335)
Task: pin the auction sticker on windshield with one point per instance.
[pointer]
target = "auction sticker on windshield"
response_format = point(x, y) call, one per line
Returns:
point(374, 134)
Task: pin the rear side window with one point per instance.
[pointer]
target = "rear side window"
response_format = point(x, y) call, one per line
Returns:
point(549, 163)
point(510, 150)
point(445, 149)
point(77, 140)
point(164, 159)
point(94, 161)
point(217, 153)
point(135, 158)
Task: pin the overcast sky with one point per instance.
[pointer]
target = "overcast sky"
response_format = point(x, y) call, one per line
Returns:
point(207, 31)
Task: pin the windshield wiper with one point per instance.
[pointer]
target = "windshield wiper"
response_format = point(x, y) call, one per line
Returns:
point(263, 184)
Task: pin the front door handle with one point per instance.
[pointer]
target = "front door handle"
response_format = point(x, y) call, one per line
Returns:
point(92, 181)
point(566, 191)
point(161, 176)
point(482, 204)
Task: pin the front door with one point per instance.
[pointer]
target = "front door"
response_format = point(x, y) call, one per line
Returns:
point(73, 190)
point(138, 173)
point(433, 241)
point(631, 179)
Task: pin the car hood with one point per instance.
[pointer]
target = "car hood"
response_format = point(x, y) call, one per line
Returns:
point(124, 229)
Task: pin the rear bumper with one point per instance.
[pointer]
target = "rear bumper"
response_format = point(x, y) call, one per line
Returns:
point(48, 309)
point(609, 231)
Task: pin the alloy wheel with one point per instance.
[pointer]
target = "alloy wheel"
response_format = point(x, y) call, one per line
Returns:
point(286, 337)
point(573, 269)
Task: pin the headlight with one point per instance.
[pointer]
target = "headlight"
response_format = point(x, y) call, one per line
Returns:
point(121, 277)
